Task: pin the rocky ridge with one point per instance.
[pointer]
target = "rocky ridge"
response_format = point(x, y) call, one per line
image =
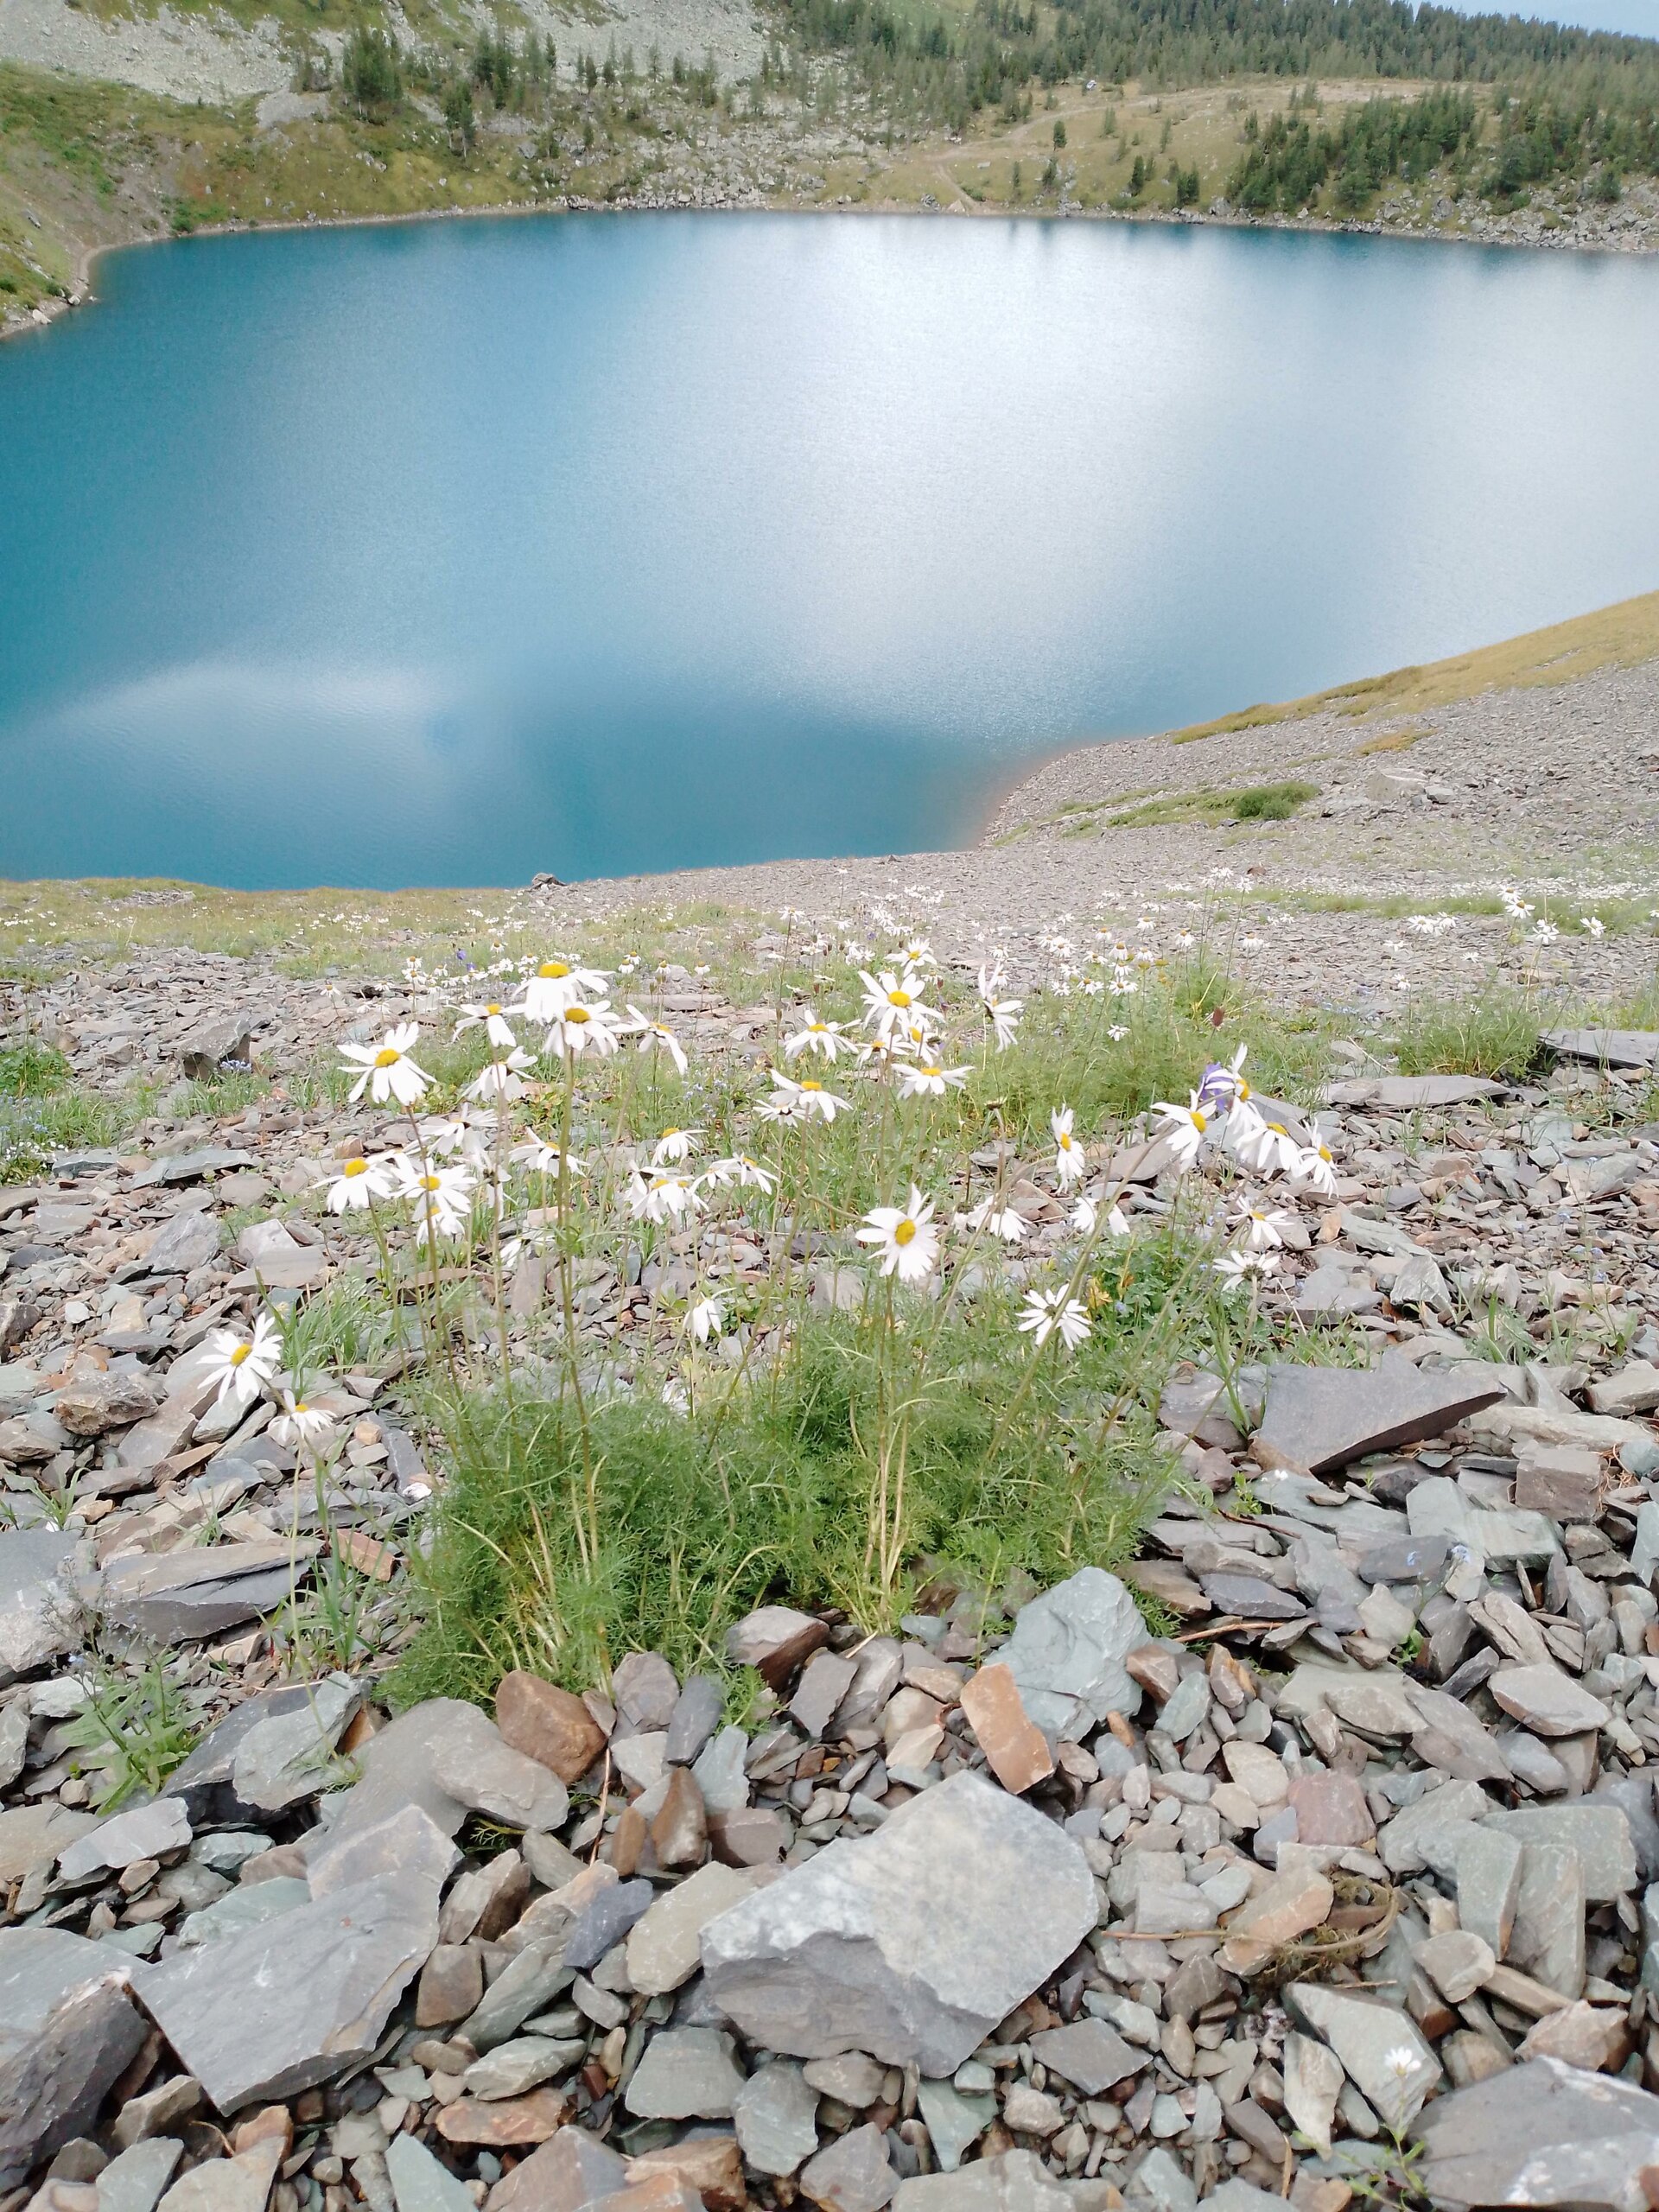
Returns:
point(1025, 1906)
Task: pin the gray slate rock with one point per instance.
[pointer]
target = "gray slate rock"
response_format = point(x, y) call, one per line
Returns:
point(183, 1244)
point(68, 2029)
point(1612, 1048)
point(419, 2182)
point(685, 2074)
point(911, 1944)
point(475, 1767)
point(1321, 1418)
point(1542, 2133)
point(134, 2180)
point(204, 1783)
point(1407, 1094)
point(775, 2113)
point(1380, 2045)
point(1596, 1832)
point(852, 2174)
point(1016, 2182)
point(1067, 1652)
point(292, 2003)
point(146, 1831)
point(38, 1610)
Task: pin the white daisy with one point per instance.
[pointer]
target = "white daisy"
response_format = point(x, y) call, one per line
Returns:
point(705, 1318)
point(360, 1182)
point(674, 1146)
point(243, 1367)
point(905, 1238)
point(387, 1070)
point(747, 1173)
point(926, 1079)
point(1070, 1164)
point(492, 1019)
point(577, 1028)
point(300, 1426)
point(557, 984)
point(891, 1002)
point(1045, 1311)
point(1263, 1227)
point(1185, 1126)
point(654, 1035)
point(1002, 1221)
point(800, 1101)
point(823, 1037)
point(542, 1158)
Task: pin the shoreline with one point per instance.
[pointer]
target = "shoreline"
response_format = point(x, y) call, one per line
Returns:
point(84, 292)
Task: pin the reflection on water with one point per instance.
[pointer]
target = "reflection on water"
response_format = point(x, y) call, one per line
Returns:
point(449, 552)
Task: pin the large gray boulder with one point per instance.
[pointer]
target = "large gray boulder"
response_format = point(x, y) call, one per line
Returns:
point(288, 2004)
point(911, 1944)
point(1067, 1652)
point(1321, 1418)
point(1542, 2133)
point(68, 2029)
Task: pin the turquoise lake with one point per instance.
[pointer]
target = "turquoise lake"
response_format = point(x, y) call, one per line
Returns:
point(445, 552)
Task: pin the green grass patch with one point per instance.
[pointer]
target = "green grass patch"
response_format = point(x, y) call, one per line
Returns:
point(1255, 803)
point(1496, 1033)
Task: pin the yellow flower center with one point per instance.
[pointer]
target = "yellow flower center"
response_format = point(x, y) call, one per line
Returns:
point(1200, 1120)
point(429, 1183)
point(1065, 1140)
point(899, 998)
point(576, 1013)
point(553, 970)
point(387, 1059)
point(669, 1132)
point(809, 1085)
point(240, 1354)
point(1243, 1092)
point(934, 1072)
point(491, 1009)
point(1278, 1128)
point(355, 1167)
point(905, 1231)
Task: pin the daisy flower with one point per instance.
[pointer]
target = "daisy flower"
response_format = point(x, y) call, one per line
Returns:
point(904, 1236)
point(557, 984)
point(359, 1183)
point(654, 1034)
point(1265, 1148)
point(925, 1078)
point(747, 1173)
point(502, 1081)
point(387, 1070)
point(577, 1028)
point(1236, 1269)
point(704, 1319)
point(663, 1199)
point(1070, 1164)
point(445, 1193)
point(493, 1020)
point(542, 1158)
point(1003, 1015)
point(891, 1002)
point(1013, 1228)
point(299, 1426)
point(674, 1146)
point(1316, 1168)
point(800, 1101)
point(815, 1036)
point(1185, 1126)
point(1594, 924)
point(241, 1367)
point(1262, 1227)
point(1045, 1311)
point(1085, 1216)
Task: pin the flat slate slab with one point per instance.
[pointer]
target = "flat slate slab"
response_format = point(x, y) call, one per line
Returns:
point(1610, 1048)
point(290, 2004)
point(68, 2029)
point(1405, 1094)
point(1321, 1418)
point(1543, 2133)
point(912, 1944)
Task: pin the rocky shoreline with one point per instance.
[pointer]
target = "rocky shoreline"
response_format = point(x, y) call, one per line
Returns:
point(1314, 1854)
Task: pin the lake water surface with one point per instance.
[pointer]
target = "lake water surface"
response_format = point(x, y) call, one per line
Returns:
point(450, 551)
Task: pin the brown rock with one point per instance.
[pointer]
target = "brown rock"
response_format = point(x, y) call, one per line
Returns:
point(665, 2193)
point(1012, 1742)
point(679, 1834)
point(1331, 1808)
point(1289, 1906)
point(451, 1986)
point(502, 2123)
point(628, 1841)
point(1595, 2036)
point(570, 2171)
point(1154, 1669)
point(709, 2165)
point(1563, 1480)
point(753, 1837)
point(546, 1723)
